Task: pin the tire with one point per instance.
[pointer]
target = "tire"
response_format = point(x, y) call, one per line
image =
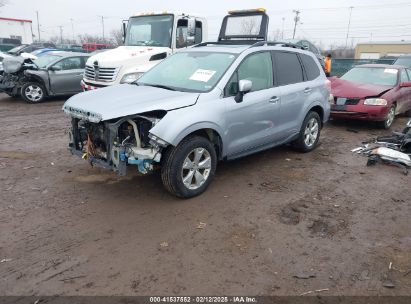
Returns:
point(309, 134)
point(180, 162)
point(387, 123)
point(33, 92)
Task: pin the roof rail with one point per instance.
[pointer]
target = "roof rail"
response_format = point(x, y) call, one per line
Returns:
point(279, 43)
point(229, 42)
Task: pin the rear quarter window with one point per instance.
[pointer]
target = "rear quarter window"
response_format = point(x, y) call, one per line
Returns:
point(288, 68)
point(311, 68)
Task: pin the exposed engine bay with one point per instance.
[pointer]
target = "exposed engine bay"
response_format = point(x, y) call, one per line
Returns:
point(116, 144)
point(14, 75)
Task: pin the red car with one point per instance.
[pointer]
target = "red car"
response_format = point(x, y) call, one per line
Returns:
point(375, 92)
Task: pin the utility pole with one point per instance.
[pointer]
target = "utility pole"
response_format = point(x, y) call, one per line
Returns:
point(72, 29)
point(61, 34)
point(282, 32)
point(38, 25)
point(296, 19)
point(102, 23)
point(348, 28)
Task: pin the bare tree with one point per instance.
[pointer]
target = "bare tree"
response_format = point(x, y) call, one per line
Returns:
point(3, 2)
point(86, 38)
point(117, 36)
point(275, 35)
point(249, 26)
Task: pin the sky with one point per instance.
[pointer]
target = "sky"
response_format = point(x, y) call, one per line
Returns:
point(325, 22)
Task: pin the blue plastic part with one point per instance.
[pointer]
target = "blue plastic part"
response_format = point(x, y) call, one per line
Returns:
point(122, 156)
point(141, 164)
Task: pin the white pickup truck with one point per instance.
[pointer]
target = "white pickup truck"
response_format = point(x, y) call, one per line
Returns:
point(149, 38)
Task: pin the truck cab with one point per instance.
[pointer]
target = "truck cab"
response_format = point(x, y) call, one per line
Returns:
point(148, 39)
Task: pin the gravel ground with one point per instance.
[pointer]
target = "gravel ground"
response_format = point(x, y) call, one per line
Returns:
point(275, 223)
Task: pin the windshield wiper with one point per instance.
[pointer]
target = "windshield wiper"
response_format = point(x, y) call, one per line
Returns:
point(159, 86)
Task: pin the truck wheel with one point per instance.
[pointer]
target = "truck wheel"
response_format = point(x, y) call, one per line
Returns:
point(33, 92)
point(387, 123)
point(309, 134)
point(189, 168)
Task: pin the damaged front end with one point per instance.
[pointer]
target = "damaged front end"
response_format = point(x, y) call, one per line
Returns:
point(14, 74)
point(116, 144)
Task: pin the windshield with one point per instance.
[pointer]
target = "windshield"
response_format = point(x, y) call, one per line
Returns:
point(149, 31)
point(45, 60)
point(405, 61)
point(378, 76)
point(16, 49)
point(189, 72)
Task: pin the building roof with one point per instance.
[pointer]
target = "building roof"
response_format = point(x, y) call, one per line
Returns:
point(386, 42)
point(17, 20)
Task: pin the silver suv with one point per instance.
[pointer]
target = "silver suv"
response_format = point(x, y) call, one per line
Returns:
point(216, 101)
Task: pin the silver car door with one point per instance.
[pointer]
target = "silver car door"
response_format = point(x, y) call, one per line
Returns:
point(294, 91)
point(66, 78)
point(252, 123)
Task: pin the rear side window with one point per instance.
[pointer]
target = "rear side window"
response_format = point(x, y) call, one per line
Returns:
point(311, 67)
point(288, 68)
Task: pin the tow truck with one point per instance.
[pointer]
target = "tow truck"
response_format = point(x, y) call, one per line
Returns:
point(148, 39)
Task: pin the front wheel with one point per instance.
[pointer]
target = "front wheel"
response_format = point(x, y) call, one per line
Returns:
point(310, 133)
point(33, 92)
point(387, 123)
point(189, 168)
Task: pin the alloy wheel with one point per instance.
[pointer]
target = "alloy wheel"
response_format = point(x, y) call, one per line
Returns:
point(311, 132)
point(196, 168)
point(33, 93)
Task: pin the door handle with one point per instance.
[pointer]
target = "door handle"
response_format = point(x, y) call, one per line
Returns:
point(307, 90)
point(274, 99)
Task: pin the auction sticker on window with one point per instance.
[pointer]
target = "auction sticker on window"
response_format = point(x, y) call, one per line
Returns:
point(202, 75)
point(391, 71)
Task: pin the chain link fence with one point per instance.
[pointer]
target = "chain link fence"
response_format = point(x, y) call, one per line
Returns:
point(340, 66)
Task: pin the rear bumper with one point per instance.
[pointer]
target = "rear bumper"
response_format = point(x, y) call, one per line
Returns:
point(360, 112)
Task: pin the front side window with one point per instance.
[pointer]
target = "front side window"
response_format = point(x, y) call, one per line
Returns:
point(404, 76)
point(188, 71)
point(288, 68)
point(181, 37)
point(371, 75)
point(73, 63)
point(149, 31)
point(45, 60)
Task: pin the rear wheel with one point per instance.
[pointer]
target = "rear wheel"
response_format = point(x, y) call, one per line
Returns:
point(189, 168)
point(310, 133)
point(386, 124)
point(33, 92)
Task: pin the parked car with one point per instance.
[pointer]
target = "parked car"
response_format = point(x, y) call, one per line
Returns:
point(216, 101)
point(375, 92)
point(404, 60)
point(28, 48)
point(309, 46)
point(56, 73)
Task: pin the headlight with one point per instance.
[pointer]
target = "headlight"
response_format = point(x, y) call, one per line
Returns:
point(131, 77)
point(375, 102)
point(157, 140)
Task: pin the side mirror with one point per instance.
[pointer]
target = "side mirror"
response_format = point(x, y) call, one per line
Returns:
point(405, 84)
point(244, 86)
point(191, 30)
point(124, 30)
point(55, 68)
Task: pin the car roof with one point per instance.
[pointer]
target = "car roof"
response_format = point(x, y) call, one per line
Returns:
point(69, 54)
point(379, 65)
point(215, 47)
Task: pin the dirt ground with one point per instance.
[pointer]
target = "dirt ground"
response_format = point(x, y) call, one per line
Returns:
point(275, 223)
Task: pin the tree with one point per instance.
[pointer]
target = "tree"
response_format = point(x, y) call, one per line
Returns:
point(117, 36)
point(249, 26)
